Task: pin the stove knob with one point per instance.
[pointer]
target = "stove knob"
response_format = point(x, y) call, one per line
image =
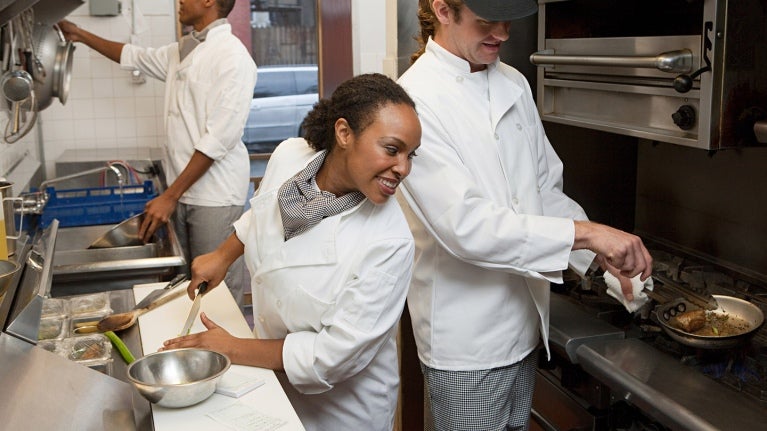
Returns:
point(684, 117)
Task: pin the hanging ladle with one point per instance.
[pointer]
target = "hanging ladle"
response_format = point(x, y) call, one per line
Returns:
point(17, 87)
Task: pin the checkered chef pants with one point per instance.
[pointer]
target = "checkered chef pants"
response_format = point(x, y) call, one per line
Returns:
point(498, 399)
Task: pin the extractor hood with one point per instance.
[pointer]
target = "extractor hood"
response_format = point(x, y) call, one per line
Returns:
point(46, 11)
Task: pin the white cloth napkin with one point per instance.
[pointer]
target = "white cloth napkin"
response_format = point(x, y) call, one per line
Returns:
point(640, 298)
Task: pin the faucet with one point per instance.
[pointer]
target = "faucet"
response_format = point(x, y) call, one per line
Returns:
point(109, 167)
point(34, 203)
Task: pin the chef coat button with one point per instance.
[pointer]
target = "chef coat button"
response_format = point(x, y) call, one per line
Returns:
point(515, 201)
point(258, 280)
point(459, 79)
point(497, 137)
point(261, 319)
point(519, 126)
point(279, 303)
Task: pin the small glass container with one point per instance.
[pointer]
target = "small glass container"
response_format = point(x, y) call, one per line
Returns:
point(54, 307)
point(84, 324)
point(53, 328)
point(92, 304)
point(89, 347)
point(54, 346)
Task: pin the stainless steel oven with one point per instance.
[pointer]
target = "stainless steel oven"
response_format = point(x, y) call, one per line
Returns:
point(687, 72)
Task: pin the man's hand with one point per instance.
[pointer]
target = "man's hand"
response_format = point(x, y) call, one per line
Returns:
point(70, 30)
point(622, 251)
point(157, 212)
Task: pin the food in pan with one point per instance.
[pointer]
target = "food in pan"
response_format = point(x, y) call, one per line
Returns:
point(690, 321)
point(709, 323)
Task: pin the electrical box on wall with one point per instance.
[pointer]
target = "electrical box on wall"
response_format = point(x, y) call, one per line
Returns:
point(105, 7)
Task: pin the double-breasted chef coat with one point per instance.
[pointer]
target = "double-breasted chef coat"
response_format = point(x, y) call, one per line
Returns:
point(335, 293)
point(491, 222)
point(207, 100)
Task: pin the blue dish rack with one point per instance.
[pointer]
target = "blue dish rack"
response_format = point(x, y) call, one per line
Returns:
point(93, 206)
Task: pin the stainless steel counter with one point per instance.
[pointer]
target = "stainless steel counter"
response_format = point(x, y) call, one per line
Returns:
point(569, 327)
point(44, 391)
point(676, 395)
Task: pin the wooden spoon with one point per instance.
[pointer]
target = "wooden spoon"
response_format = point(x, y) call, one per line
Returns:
point(120, 321)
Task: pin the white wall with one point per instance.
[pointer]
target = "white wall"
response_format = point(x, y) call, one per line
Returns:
point(105, 108)
point(374, 37)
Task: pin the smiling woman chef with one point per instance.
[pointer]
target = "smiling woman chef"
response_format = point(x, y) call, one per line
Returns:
point(330, 256)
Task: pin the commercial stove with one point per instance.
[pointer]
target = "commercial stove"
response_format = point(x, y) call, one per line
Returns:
point(614, 370)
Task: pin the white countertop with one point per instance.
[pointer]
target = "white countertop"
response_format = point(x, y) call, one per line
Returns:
point(260, 409)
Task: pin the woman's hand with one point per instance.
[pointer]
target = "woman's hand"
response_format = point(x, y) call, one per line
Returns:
point(211, 267)
point(215, 338)
point(243, 351)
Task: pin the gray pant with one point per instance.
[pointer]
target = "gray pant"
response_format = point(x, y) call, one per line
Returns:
point(201, 230)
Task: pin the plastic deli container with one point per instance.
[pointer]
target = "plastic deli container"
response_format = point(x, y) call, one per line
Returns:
point(94, 351)
point(53, 328)
point(54, 307)
point(89, 305)
point(54, 346)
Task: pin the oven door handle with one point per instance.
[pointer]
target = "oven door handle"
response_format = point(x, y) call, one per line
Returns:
point(672, 61)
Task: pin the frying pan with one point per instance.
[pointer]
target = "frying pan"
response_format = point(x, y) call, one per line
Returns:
point(732, 306)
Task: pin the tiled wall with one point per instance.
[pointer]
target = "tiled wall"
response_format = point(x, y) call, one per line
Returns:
point(105, 107)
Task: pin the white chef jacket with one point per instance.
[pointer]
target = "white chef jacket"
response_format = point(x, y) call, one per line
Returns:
point(207, 99)
point(335, 293)
point(491, 223)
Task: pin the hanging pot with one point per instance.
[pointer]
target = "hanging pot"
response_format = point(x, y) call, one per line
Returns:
point(56, 55)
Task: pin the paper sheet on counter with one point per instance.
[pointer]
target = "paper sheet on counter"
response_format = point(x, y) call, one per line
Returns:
point(218, 304)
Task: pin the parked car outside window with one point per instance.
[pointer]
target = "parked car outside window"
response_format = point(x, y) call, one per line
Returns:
point(282, 98)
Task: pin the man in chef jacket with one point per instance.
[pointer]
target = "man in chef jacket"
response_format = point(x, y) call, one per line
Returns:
point(209, 77)
point(492, 225)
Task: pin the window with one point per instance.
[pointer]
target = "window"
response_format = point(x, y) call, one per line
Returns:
point(274, 83)
point(306, 82)
point(284, 44)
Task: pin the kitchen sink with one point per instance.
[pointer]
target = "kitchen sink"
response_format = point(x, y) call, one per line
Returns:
point(78, 269)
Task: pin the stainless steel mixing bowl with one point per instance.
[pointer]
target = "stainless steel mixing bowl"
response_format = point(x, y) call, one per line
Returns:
point(178, 378)
point(8, 269)
point(124, 234)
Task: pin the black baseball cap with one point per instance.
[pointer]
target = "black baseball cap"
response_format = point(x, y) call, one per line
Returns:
point(502, 10)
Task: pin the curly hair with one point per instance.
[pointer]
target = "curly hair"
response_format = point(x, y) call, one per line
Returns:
point(429, 23)
point(356, 100)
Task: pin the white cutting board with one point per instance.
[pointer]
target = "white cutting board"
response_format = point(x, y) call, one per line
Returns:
point(218, 304)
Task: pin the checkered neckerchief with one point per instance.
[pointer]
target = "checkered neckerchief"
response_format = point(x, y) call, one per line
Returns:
point(303, 204)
